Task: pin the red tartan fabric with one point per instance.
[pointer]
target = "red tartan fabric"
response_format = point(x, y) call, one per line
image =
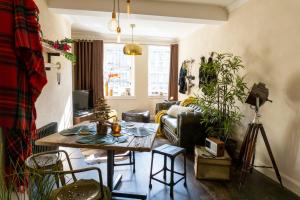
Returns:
point(22, 76)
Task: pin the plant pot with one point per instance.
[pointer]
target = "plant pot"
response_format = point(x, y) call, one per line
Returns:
point(101, 129)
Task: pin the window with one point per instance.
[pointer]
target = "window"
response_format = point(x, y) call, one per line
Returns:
point(158, 70)
point(118, 71)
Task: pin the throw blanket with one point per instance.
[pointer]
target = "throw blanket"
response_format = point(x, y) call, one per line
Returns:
point(188, 101)
point(157, 119)
point(22, 77)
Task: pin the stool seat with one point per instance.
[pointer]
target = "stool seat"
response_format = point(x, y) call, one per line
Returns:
point(169, 150)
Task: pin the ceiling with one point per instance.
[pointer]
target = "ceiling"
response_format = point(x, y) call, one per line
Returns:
point(212, 2)
point(162, 19)
point(144, 27)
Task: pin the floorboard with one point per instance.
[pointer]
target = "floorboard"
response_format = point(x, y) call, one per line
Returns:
point(257, 187)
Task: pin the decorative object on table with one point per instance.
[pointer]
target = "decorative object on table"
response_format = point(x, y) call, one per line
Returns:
point(85, 129)
point(223, 88)
point(257, 97)
point(101, 115)
point(215, 146)
point(208, 166)
point(168, 151)
point(140, 131)
point(64, 46)
point(132, 49)
point(116, 129)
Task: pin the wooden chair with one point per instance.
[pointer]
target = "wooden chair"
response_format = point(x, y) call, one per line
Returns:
point(81, 189)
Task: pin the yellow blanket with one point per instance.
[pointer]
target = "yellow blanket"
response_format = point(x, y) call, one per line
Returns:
point(188, 101)
point(157, 119)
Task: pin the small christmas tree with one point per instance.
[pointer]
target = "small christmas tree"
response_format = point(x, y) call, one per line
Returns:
point(101, 115)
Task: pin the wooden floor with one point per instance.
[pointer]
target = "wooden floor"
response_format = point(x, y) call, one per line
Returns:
point(258, 186)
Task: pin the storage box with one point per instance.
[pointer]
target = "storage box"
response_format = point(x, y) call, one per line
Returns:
point(209, 167)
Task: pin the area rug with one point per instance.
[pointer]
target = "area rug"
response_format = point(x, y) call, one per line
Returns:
point(95, 156)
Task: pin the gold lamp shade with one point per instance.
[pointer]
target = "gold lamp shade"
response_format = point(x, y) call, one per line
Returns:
point(132, 49)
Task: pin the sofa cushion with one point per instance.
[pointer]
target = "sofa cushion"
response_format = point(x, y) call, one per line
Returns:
point(174, 110)
point(195, 107)
point(171, 123)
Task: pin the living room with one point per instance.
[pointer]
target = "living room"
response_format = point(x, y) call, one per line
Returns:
point(84, 49)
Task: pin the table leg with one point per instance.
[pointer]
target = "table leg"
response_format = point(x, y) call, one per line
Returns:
point(110, 180)
point(110, 169)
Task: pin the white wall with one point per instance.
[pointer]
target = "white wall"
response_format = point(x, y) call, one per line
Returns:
point(141, 99)
point(55, 102)
point(265, 33)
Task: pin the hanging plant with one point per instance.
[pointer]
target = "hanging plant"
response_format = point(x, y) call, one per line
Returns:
point(64, 46)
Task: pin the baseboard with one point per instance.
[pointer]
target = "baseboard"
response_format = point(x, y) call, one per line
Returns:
point(288, 182)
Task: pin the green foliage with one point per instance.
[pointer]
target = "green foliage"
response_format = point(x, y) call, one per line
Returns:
point(70, 56)
point(39, 186)
point(223, 88)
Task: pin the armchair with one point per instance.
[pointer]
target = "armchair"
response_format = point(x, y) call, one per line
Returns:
point(185, 130)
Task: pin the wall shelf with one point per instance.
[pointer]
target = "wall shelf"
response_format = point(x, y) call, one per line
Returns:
point(50, 52)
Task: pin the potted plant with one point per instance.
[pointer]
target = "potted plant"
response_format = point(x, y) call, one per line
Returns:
point(223, 89)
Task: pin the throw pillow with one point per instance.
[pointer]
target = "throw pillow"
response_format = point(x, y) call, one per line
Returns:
point(174, 110)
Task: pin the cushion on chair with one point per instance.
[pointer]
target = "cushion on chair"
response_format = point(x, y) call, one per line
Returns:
point(81, 190)
point(174, 110)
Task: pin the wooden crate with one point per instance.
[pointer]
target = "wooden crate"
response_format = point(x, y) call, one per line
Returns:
point(208, 167)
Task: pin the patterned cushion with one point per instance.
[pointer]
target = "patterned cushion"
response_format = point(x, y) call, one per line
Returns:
point(174, 110)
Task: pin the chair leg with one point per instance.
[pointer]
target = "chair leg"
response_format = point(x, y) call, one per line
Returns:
point(152, 157)
point(165, 167)
point(133, 158)
point(184, 155)
point(172, 178)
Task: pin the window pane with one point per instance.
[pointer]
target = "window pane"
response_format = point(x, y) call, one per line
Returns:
point(118, 71)
point(158, 70)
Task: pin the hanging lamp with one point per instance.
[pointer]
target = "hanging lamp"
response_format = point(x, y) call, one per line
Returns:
point(118, 27)
point(112, 24)
point(128, 7)
point(131, 48)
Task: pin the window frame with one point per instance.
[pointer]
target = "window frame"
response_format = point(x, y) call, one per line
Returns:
point(132, 70)
point(158, 96)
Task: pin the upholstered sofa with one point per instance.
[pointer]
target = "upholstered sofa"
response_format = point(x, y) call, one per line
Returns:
point(185, 130)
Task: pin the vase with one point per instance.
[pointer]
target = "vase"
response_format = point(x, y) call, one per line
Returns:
point(101, 129)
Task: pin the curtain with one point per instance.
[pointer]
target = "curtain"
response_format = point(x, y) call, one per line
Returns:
point(173, 76)
point(88, 72)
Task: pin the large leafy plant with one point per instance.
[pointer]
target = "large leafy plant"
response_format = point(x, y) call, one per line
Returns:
point(223, 89)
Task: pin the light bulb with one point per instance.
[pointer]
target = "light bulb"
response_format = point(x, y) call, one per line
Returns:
point(118, 34)
point(113, 24)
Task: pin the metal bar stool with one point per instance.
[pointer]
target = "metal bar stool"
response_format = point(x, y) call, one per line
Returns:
point(172, 152)
point(130, 154)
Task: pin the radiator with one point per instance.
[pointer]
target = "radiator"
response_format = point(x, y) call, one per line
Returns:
point(42, 132)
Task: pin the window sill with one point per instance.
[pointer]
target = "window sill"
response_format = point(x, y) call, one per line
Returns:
point(121, 98)
point(157, 97)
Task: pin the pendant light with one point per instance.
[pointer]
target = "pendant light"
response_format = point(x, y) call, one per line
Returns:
point(132, 49)
point(128, 7)
point(118, 27)
point(112, 24)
